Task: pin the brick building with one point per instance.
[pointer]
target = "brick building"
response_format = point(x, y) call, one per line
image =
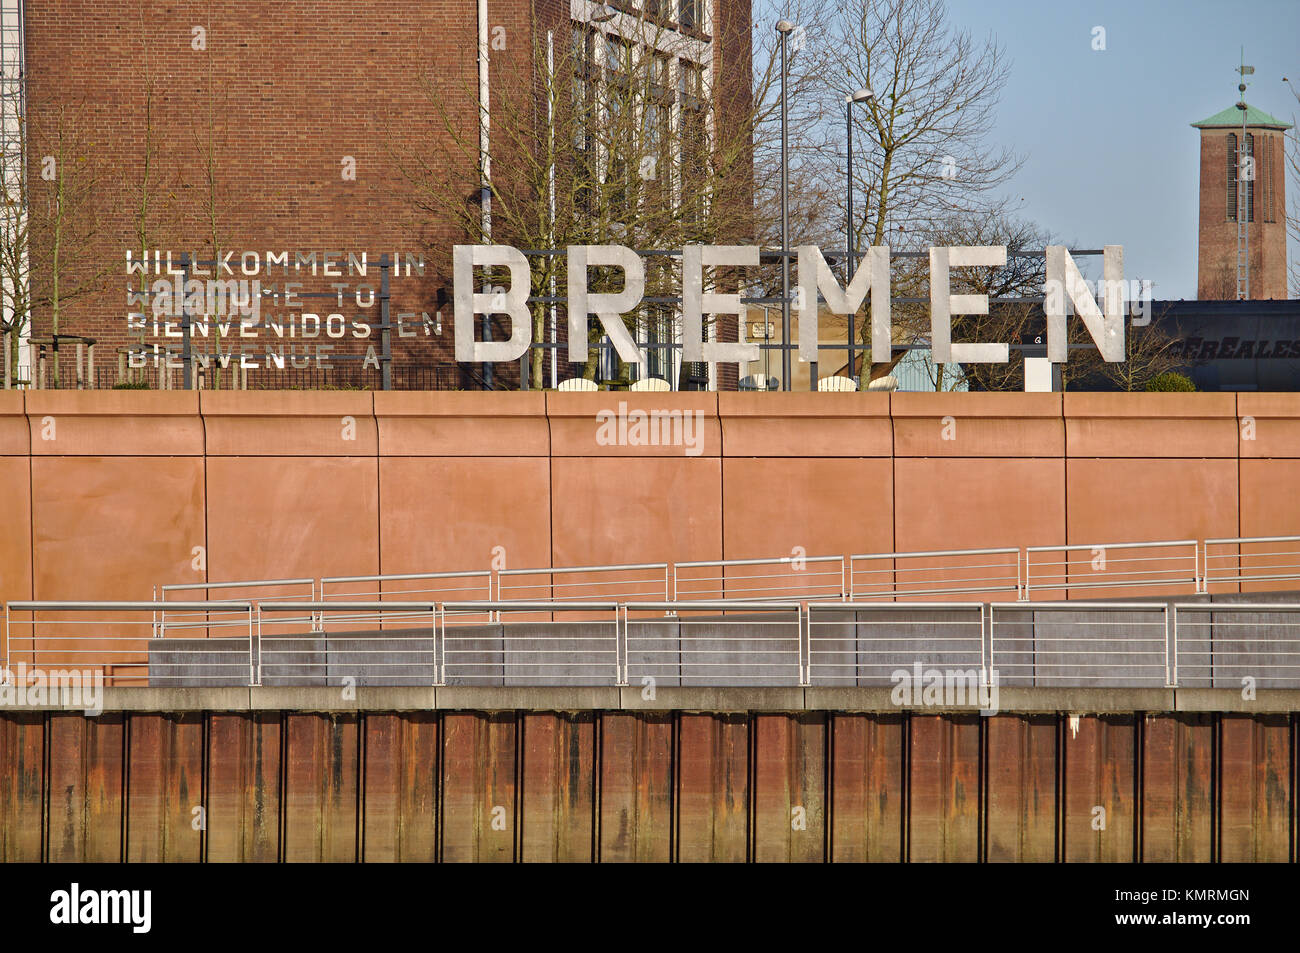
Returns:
point(1222, 159)
point(288, 136)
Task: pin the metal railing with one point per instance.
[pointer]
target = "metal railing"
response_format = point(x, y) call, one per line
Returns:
point(437, 586)
point(629, 581)
point(1088, 566)
point(1215, 647)
point(701, 643)
point(367, 650)
point(869, 643)
point(1118, 644)
point(247, 589)
point(714, 643)
point(575, 649)
point(938, 572)
point(1161, 567)
point(780, 578)
point(120, 642)
point(1250, 559)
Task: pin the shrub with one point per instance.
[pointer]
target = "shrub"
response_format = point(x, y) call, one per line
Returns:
point(132, 385)
point(1171, 381)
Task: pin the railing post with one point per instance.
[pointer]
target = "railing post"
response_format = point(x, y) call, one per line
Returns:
point(620, 645)
point(986, 641)
point(253, 650)
point(803, 620)
point(439, 640)
point(1171, 645)
point(255, 608)
point(1022, 579)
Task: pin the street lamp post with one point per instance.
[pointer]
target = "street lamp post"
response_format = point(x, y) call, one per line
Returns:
point(861, 96)
point(784, 27)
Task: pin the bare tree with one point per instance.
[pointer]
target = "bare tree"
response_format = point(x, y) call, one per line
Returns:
point(1293, 170)
point(596, 140)
point(64, 227)
point(15, 298)
point(921, 155)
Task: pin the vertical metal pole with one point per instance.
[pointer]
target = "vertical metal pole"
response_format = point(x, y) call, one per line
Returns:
point(848, 222)
point(785, 232)
point(186, 355)
point(385, 332)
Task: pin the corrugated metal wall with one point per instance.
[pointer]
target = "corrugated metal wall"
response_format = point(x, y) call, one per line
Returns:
point(616, 786)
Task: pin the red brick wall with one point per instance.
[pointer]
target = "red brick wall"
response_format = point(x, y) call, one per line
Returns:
point(287, 93)
point(1217, 252)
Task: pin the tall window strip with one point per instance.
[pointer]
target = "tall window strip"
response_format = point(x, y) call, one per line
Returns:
point(1251, 177)
point(1233, 159)
point(1266, 175)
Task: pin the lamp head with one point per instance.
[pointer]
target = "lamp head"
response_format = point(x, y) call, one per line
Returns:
point(784, 26)
point(862, 95)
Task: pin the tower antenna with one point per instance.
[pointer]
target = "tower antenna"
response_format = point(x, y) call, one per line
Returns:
point(1245, 177)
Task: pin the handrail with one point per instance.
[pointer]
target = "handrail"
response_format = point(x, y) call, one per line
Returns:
point(1052, 642)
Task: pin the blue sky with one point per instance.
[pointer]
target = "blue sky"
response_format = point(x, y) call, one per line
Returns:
point(1110, 155)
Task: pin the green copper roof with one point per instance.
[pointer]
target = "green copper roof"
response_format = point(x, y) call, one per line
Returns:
point(1231, 118)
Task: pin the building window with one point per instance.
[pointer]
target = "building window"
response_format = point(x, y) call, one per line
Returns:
point(690, 15)
point(1251, 175)
point(1265, 175)
point(1233, 159)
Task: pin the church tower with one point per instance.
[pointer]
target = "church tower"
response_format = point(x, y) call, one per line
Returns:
point(1254, 154)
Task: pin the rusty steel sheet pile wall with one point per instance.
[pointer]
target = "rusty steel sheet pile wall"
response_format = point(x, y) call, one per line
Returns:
point(104, 495)
point(646, 786)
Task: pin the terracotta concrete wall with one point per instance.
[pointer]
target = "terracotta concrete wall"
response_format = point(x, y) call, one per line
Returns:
point(646, 786)
point(104, 495)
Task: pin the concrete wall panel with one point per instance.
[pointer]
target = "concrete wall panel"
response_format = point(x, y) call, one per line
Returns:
point(944, 504)
point(805, 424)
point(825, 507)
point(607, 511)
point(283, 517)
point(114, 423)
point(459, 424)
point(448, 514)
point(289, 423)
point(977, 425)
point(1151, 425)
point(16, 518)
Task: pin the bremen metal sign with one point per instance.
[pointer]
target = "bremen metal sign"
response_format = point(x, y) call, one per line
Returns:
point(1066, 288)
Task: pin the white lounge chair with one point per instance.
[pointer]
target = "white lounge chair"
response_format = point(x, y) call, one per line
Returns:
point(577, 383)
point(888, 382)
point(757, 382)
point(837, 383)
point(650, 383)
